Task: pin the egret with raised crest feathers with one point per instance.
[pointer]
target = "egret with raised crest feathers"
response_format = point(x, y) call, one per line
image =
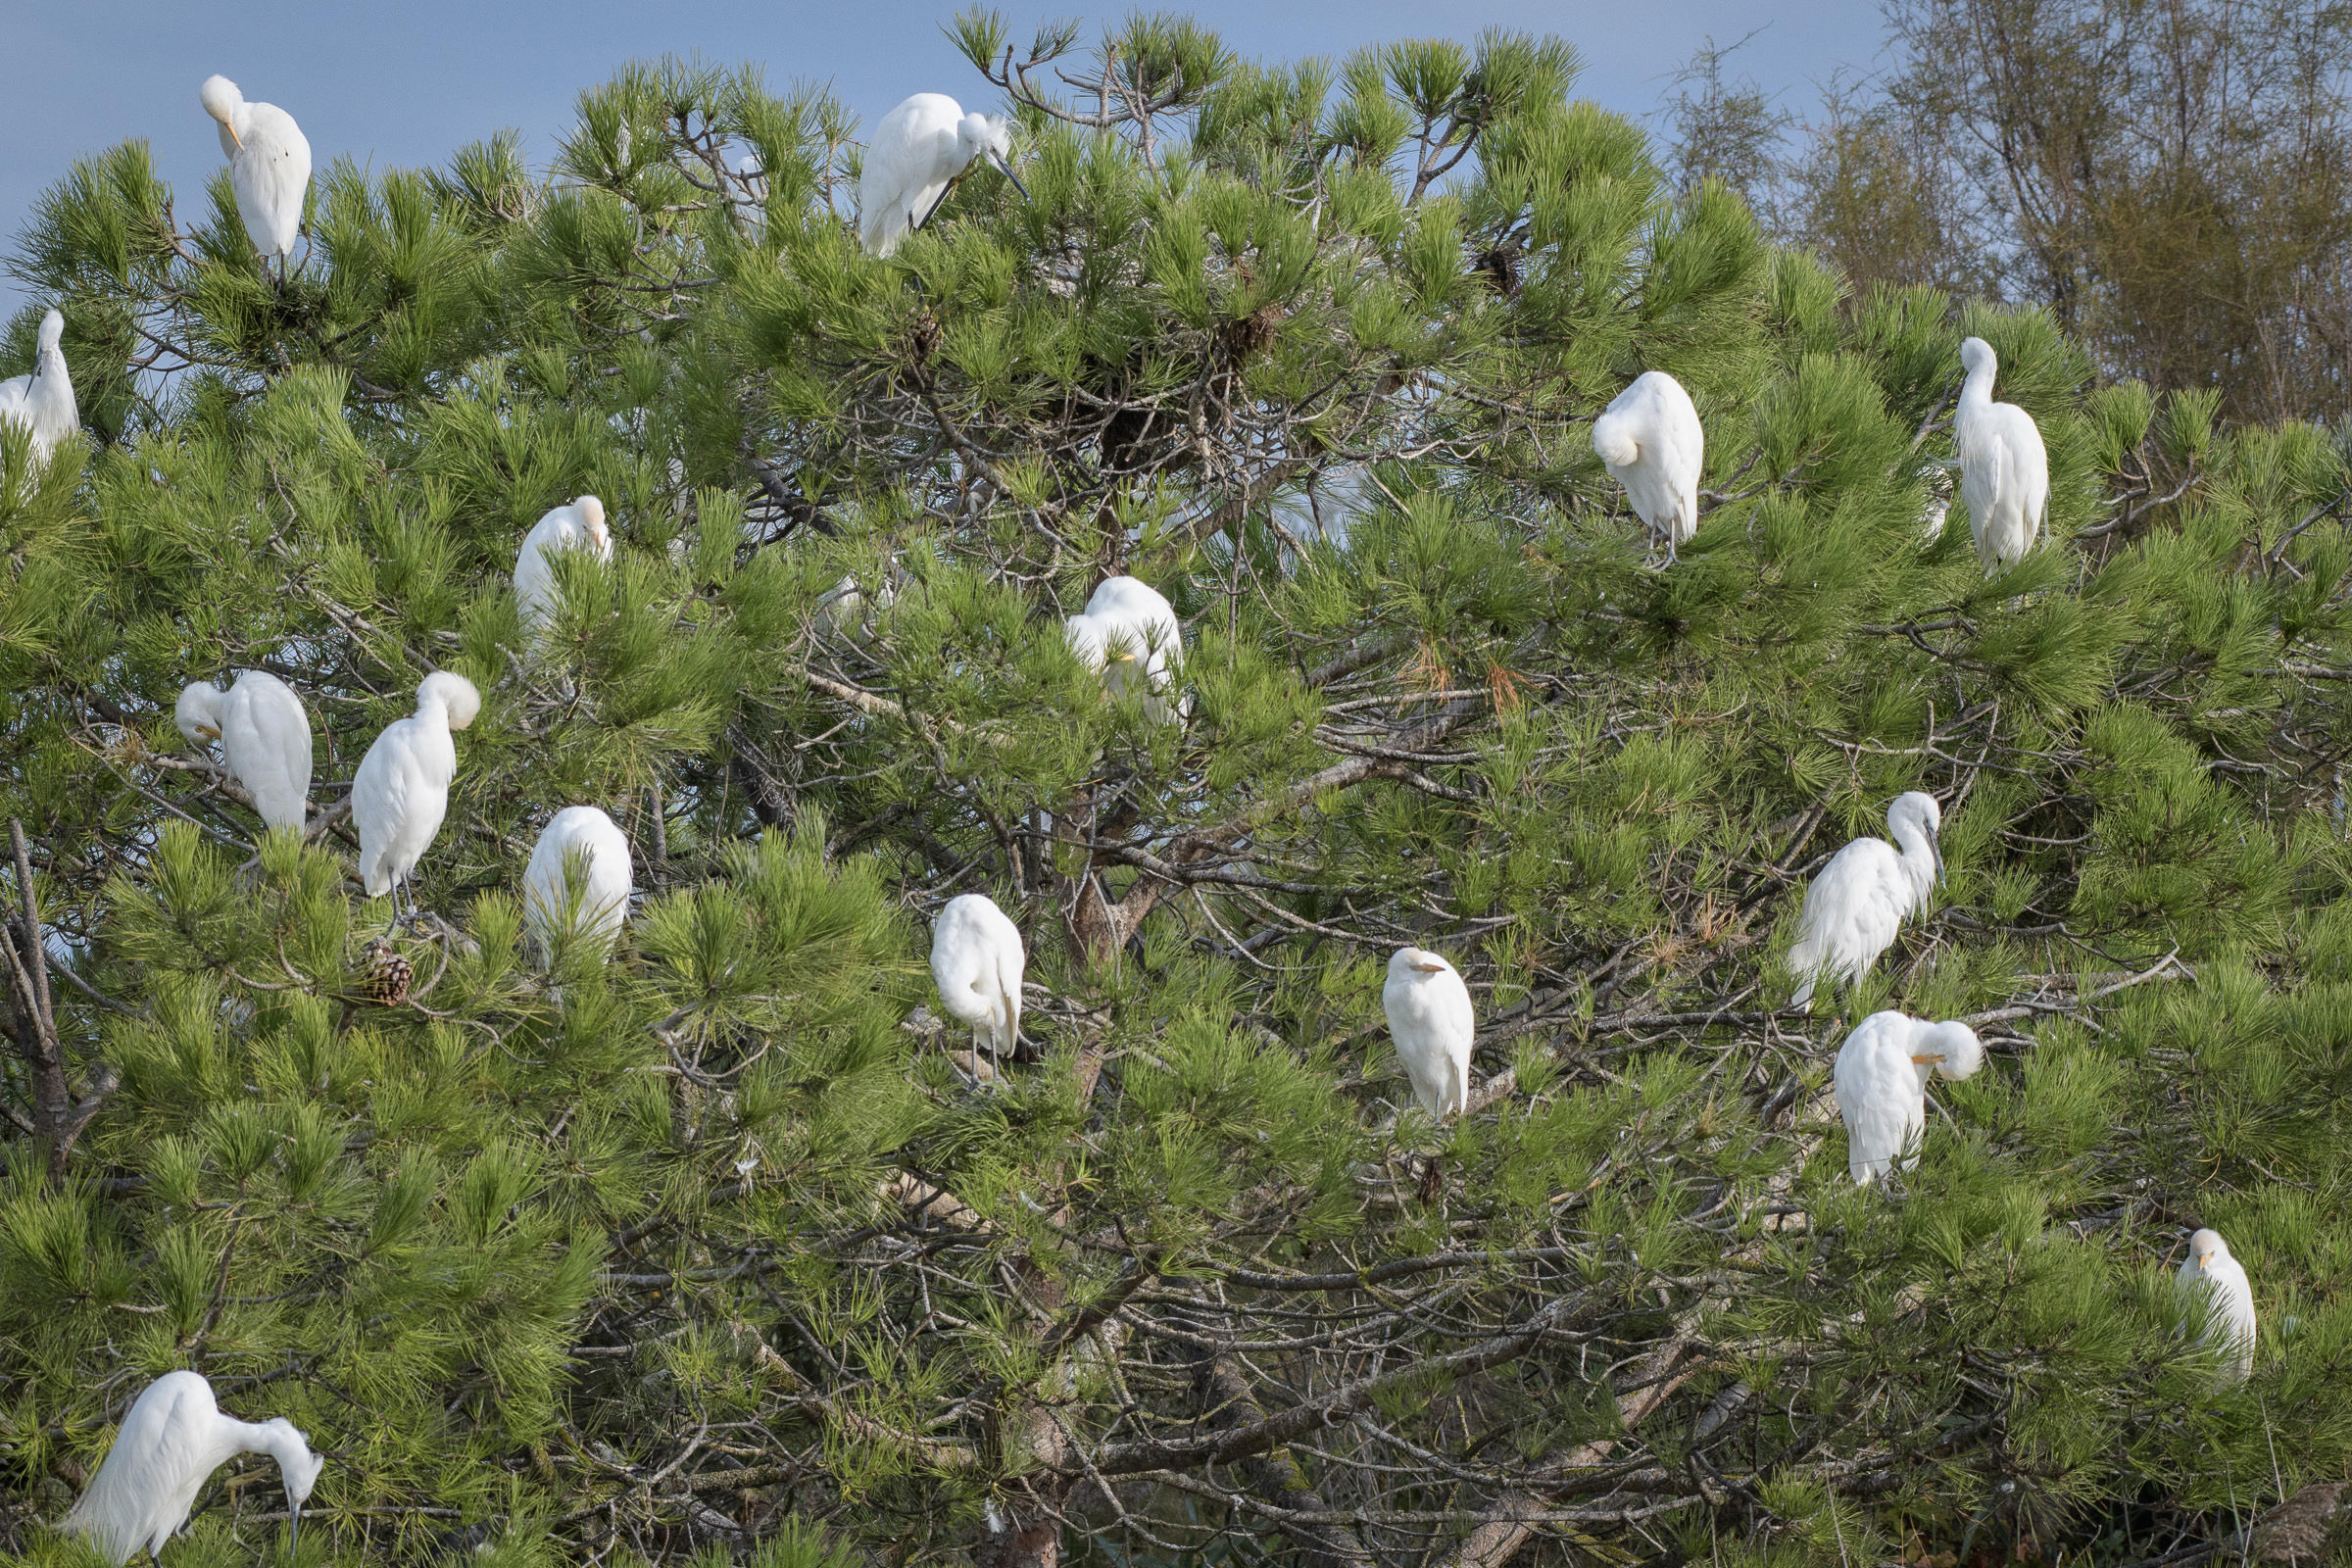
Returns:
point(174, 1438)
point(265, 740)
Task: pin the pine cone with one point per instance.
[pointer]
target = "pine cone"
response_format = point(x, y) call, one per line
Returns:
point(384, 976)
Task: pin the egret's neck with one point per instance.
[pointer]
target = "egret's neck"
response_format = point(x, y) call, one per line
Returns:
point(1976, 392)
point(1918, 851)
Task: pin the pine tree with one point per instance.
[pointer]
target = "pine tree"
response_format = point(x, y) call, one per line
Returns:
point(729, 1246)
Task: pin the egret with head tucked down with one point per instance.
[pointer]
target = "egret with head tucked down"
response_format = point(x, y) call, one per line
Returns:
point(41, 400)
point(1432, 1022)
point(2004, 471)
point(2229, 1322)
point(400, 791)
point(1882, 1078)
point(174, 1438)
point(978, 961)
point(918, 153)
point(1130, 635)
point(265, 740)
point(577, 525)
point(584, 836)
point(1857, 903)
point(1651, 442)
point(269, 164)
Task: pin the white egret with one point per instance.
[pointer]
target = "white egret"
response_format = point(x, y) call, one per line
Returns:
point(1651, 442)
point(42, 400)
point(579, 526)
point(2004, 471)
point(269, 164)
point(1130, 635)
point(976, 960)
point(265, 740)
point(2229, 1324)
point(1882, 1077)
point(400, 791)
point(605, 879)
point(1861, 898)
point(172, 1440)
point(845, 611)
point(1431, 1020)
point(920, 151)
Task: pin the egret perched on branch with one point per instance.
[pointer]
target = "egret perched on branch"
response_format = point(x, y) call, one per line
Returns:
point(580, 526)
point(1432, 1022)
point(1861, 898)
point(1651, 442)
point(976, 960)
point(918, 153)
point(42, 400)
point(400, 791)
point(269, 164)
point(265, 740)
point(1882, 1077)
point(2230, 1325)
point(172, 1440)
point(1130, 634)
point(2004, 471)
point(603, 883)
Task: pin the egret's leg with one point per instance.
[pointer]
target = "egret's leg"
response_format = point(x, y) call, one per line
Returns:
point(945, 191)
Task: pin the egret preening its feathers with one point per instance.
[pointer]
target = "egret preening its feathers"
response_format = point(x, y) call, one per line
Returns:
point(1651, 442)
point(2004, 471)
point(1432, 1022)
point(605, 882)
point(1857, 903)
point(2230, 1325)
point(172, 1440)
point(42, 400)
point(976, 960)
point(265, 741)
point(1130, 635)
point(920, 151)
point(269, 164)
point(579, 526)
point(400, 791)
point(1882, 1077)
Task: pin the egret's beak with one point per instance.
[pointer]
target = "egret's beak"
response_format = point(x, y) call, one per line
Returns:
point(998, 159)
point(1430, 968)
point(2204, 1258)
point(1924, 1060)
point(210, 732)
point(293, 1527)
point(232, 135)
point(1126, 658)
point(1935, 848)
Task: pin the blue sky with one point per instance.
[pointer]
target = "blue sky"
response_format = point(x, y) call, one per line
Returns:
point(407, 83)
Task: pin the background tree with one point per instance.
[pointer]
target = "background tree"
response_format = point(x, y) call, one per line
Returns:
point(722, 1245)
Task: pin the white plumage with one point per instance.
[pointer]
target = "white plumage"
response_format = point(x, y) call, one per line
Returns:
point(1432, 1022)
point(1939, 505)
point(2230, 1323)
point(606, 882)
point(269, 164)
point(173, 1438)
point(921, 149)
point(1882, 1077)
point(42, 399)
point(844, 610)
point(1651, 442)
point(2004, 471)
point(265, 740)
point(1130, 635)
point(578, 526)
point(1858, 902)
point(400, 791)
point(976, 960)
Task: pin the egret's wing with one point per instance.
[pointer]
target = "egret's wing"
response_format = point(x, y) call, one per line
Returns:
point(281, 173)
point(270, 751)
point(1880, 1103)
point(150, 1477)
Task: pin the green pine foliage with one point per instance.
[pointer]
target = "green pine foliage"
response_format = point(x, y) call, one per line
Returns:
point(729, 1250)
